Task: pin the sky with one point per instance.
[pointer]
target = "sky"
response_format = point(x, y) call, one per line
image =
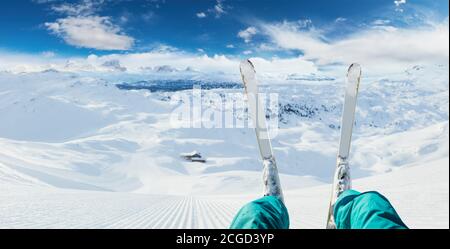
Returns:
point(215, 33)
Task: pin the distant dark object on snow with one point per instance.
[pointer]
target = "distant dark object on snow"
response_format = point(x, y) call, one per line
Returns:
point(198, 160)
point(193, 157)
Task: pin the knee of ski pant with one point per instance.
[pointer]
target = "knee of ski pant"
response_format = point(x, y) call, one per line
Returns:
point(268, 212)
point(369, 210)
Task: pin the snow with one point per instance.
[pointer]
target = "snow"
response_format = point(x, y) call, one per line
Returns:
point(78, 152)
point(420, 205)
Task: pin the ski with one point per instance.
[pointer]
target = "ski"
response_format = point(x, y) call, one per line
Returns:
point(342, 178)
point(272, 186)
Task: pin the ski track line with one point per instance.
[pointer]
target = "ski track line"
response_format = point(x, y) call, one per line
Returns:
point(218, 218)
point(190, 216)
point(200, 215)
point(231, 209)
point(158, 212)
point(176, 217)
point(218, 214)
point(221, 205)
point(130, 219)
point(187, 214)
point(147, 220)
point(210, 216)
point(21, 220)
point(180, 221)
point(164, 220)
point(183, 214)
point(197, 221)
point(138, 218)
point(118, 219)
point(127, 216)
point(49, 223)
point(16, 224)
point(193, 215)
point(162, 211)
point(206, 221)
point(226, 216)
point(161, 220)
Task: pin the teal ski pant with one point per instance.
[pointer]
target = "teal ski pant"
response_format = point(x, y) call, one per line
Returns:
point(353, 210)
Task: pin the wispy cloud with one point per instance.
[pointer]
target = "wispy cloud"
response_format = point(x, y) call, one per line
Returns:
point(215, 66)
point(398, 5)
point(340, 19)
point(43, 1)
point(83, 27)
point(218, 10)
point(380, 22)
point(90, 32)
point(247, 34)
point(83, 8)
point(378, 47)
point(148, 16)
point(201, 15)
point(48, 54)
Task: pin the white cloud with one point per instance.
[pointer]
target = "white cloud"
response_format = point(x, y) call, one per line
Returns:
point(43, 1)
point(268, 47)
point(219, 9)
point(83, 27)
point(276, 67)
point(247, 34)
point(247, 52)
point(230, 46)
point(380, 22)
point(84, 8)
point(398, 3)
point(380, 49)
point(48, 54)
point(208, 64)
point(20, 62)
point(340, 19)
point(123, 19)
point(148, 16)
point(91, 32)
point(201, 15)
point(217, 67)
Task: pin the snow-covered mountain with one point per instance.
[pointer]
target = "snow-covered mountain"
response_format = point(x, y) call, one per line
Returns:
point(72, 142)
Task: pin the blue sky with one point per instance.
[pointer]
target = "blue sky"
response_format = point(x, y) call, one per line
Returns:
point(194, 25)
point(204, 33)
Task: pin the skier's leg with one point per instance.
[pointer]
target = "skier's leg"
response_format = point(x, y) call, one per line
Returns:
point(369, 210)
point(268, 212)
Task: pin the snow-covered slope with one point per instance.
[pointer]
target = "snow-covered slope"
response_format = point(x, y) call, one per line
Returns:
point(77, 151)
point(421, 204)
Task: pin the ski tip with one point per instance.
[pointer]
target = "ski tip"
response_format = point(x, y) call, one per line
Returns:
point(247, 66)
point(354, 71)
